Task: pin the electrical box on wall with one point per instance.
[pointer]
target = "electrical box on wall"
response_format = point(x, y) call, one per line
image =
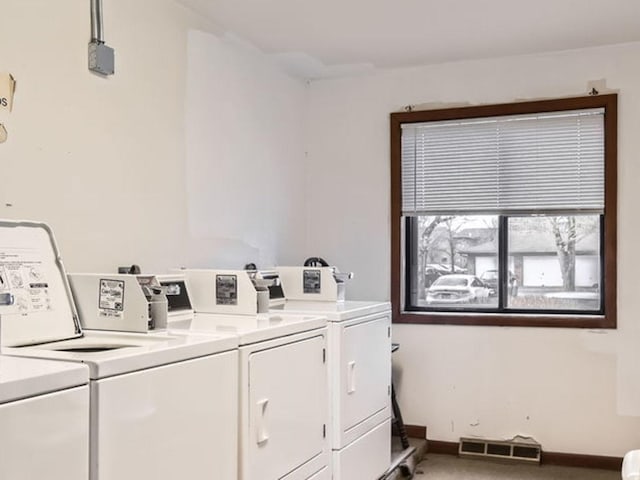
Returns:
point(101, 58)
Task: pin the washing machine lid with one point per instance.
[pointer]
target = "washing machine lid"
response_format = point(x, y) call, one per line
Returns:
point(334, 311)
point(35, 299)
point(250, 328)
point(116, 353)
point(22, 378)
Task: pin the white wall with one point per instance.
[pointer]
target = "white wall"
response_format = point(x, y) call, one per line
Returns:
point(575, 391)
point(189, 155)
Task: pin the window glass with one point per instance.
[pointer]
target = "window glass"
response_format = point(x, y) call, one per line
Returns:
point(555, 262)
point(451, 252)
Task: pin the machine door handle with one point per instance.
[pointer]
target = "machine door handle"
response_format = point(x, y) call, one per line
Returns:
point(351, 377)
point(263, 435)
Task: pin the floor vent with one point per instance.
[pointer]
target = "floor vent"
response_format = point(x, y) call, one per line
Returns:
point(514, 450)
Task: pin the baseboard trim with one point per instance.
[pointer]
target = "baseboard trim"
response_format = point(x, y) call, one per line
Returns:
point(584, 461)
point(444, 448)
point(547, 458)
point(416, 431)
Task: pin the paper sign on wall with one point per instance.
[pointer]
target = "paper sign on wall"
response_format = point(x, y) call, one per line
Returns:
point(3, 134)
point(7, 89)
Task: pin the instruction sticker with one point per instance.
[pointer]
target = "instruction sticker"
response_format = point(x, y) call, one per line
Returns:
point(111, 299)
point(7, 90)
point(226, 290)
point(23, 284)
point(311, 281)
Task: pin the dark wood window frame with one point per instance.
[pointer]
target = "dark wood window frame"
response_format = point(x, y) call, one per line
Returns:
point(608, 319)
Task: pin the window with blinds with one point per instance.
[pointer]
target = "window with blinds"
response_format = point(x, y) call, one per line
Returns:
point(551, 161)
point(506, 214)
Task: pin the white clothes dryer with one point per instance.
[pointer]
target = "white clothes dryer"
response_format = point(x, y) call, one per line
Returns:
point(283, 393)
point(359, 355)
point(162, 406)
point(44, 420)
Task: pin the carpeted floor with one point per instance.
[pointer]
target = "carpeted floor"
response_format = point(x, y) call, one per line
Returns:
point(448, 467)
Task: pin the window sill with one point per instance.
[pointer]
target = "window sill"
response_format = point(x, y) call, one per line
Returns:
point(505, 320)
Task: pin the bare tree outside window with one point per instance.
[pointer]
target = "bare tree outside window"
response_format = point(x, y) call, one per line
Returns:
point(427, 226)
point(567, 232)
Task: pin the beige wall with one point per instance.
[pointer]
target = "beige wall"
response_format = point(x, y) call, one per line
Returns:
point(166, 163)
point(572, 390)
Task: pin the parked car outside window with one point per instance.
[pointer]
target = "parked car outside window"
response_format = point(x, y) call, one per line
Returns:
point(490, 278)
point(456, 288)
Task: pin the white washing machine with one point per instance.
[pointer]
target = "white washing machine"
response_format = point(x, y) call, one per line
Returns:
point(359, 383)
point(44, 420)
point(161, 406)
point(283, 393)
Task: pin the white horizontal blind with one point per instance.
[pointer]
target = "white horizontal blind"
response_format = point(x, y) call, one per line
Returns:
point(516, 162)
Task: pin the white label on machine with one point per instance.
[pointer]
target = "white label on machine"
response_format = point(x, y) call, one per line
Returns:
point(23, 283)
point(226, 290)
point(111, 300)
point(311, 281)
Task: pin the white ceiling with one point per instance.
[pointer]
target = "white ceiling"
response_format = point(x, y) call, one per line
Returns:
point(332, 37)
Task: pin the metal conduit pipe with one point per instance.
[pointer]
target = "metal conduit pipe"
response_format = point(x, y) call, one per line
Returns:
point(101, 56)
point(97, 33)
